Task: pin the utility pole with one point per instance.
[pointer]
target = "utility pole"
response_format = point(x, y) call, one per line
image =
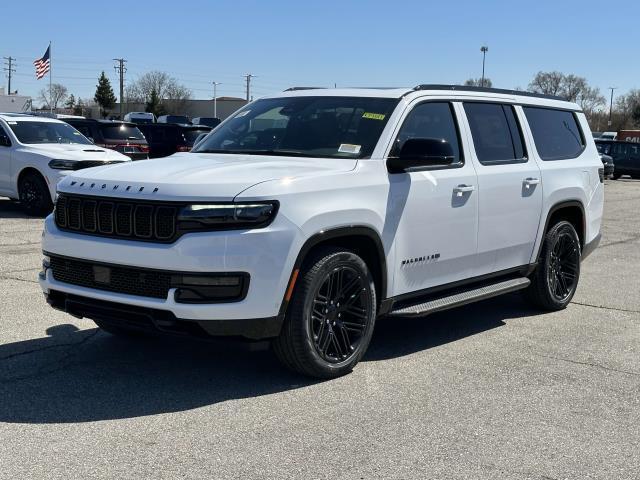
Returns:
point(215, 99)
point(609, 123)
point(484, 49)
point(10, 70)
point(121, 69)
point(248, 78)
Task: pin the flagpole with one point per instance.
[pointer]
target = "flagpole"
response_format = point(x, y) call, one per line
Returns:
point(50, 74)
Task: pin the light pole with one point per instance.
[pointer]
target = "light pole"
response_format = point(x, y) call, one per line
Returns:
point(215, 99)
point(609, 123)
point(484, 49)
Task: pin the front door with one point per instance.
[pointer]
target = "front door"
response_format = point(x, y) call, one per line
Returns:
point(510, 189)
point(433, 212)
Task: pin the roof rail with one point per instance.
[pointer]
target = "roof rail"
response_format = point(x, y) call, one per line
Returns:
point(466, 88)
point(295, 89)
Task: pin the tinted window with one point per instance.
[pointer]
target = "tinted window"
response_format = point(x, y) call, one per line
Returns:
point(176, 119)
point(336, 127)
point(495, 132)
point(47, 132)
point(634, 152)
point(619, 149)
point(604, 148)
point(430, 120)
point(555, 132)
point(191, 135)
point(121, 131)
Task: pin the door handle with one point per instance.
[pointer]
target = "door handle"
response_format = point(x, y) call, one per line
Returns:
point(529, 181)
point(462, 189)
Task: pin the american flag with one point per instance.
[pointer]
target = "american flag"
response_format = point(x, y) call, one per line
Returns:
point(42, 64)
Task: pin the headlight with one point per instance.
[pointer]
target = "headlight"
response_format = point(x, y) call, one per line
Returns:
point(224, 216)
point(63, 164)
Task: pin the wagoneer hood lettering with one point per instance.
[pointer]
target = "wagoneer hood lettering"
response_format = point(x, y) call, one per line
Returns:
point(192, 176)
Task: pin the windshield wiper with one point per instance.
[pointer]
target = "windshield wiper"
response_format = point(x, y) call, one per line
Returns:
point(282, 153)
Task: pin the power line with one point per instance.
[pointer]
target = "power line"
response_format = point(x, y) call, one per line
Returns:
point(121, 70)
point(10, 71)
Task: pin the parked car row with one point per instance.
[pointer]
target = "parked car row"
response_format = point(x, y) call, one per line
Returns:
point(625, 157)
point(147, 117)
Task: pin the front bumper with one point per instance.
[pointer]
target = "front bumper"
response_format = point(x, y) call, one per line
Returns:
point(150, 320)
point(267, 255)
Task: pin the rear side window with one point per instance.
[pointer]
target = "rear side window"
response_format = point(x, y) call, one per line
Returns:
point(497, 137)
point(555, 132)
point(431, 120)
point(121, 131)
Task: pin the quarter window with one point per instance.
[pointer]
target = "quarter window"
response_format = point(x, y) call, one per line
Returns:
point(431, 120)
point(497, 137)
point(555, 132)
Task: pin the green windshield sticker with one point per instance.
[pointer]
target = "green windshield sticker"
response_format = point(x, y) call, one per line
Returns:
point(373, 116)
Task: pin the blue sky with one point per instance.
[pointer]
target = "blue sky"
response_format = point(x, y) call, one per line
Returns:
point(304, 42)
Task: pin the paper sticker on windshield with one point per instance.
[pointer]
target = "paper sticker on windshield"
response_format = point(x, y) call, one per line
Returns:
point(12, 123)
point(242, 114)
point(349, 148)
point(373, 116)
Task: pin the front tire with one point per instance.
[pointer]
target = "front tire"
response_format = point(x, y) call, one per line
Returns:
point(331, 317)
point(34, 195)
point(555, 279)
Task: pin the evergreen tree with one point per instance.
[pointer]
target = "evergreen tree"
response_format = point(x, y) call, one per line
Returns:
point(154, 104)
point(104, 96)
point(71, 102)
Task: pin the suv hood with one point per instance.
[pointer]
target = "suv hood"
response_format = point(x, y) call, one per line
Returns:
point(196, 176)
point(70, 151)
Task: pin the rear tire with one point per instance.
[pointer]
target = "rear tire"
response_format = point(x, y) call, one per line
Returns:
point(555, 279)
point(330, 319)
point(35, 198)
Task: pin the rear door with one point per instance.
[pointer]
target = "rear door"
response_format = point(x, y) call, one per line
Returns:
point(634, 159)
point(509, 187)
point(433, 212)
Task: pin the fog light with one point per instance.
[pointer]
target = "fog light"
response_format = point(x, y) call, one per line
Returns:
point(210, 288)
point(46, 265)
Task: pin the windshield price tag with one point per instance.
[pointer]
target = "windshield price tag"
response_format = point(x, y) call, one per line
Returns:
point(373, 116)
point(349, 148)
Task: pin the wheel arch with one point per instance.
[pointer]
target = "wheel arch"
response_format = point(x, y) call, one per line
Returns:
point(362, 240)
point(570, 210)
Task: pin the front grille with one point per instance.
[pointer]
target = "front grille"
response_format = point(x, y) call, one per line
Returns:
point(127, 280)
point(109, 217)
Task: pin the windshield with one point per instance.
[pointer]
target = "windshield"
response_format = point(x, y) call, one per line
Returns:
point(190, 136)
point(121, 131)
point(47, 132)
point(334, 127)
point(176, 119)
point(604, 148)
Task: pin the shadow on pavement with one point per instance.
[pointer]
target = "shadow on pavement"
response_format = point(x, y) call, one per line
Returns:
point(81, 376)
point(11, 209)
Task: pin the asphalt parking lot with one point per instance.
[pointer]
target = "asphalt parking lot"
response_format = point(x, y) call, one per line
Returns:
point(492, 390)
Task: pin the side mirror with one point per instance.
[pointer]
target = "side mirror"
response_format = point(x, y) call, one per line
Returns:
point(421, 152)
point(5, 141)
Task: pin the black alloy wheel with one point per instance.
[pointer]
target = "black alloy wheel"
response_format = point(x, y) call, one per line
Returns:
point(563, 267)
point(331, 315)
point(340, 314)
point(555, 279)
point(34, 195)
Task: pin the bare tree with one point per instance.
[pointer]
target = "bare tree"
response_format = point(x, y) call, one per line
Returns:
point(549, 83)
point(625, 107)
point(165, 87)
point(58, 96)
point(477, 82)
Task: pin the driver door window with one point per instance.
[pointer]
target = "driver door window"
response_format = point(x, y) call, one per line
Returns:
point(431, 120)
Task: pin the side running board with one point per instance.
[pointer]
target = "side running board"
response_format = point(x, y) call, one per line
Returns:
point(458, 299)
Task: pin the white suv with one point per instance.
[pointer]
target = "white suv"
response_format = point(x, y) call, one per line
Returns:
point(307, 215)
point(36, 152)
